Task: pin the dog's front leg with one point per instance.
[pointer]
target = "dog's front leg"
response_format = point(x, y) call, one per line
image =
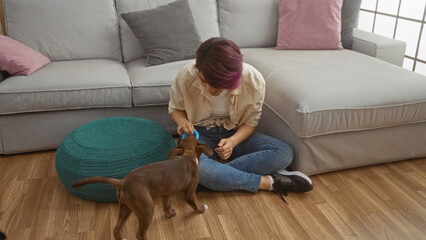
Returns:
point(191, 199)
point(167, 207)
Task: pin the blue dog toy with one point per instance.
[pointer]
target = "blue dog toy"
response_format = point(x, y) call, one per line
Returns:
point(197, 135)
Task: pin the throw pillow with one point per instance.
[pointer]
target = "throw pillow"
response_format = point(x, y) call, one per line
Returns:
point(166, 33)
point(350, 14)
point(19, 59)
point(309, 24)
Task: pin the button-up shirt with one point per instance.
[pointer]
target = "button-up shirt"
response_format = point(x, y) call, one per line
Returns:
point(189, 95)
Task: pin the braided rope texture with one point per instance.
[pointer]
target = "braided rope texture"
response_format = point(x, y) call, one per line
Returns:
point(110, 147)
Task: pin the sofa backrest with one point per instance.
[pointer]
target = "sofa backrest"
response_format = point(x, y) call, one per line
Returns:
point(203, 11)
point(249, 23)
point(65, 30)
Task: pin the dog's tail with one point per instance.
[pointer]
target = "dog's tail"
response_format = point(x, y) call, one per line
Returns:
point(110, 181)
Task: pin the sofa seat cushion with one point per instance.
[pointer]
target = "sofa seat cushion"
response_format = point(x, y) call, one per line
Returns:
point(322, 92)
point(67, 85)
point(151, 85)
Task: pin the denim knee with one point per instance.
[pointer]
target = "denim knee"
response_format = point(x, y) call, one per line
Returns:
point(284, 154)
point(220, 177)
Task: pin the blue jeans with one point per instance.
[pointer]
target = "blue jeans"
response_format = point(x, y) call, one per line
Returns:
point(256, 156)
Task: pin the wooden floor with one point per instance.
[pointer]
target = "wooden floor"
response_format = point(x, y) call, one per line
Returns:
point(377, 202)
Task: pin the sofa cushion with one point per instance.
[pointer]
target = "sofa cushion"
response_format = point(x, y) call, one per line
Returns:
point(165, 39)
point(322, 92)
point(65, 30)
point(203, 11)
point(350, 11)
point(309, 24)
point(67, 85)
point(254, 23)
point(151, 85)
point(249, 23)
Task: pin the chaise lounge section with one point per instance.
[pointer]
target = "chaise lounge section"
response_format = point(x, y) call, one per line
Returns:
point(338, 112)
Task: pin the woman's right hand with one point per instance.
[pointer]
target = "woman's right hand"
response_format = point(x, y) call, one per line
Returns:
point(185, 127)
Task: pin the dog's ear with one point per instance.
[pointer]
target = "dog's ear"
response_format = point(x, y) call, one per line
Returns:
point(202, 148)
point(175, 152)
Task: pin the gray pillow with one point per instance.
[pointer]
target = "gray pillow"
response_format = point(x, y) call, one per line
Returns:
point(166, 33)
point(350, 14)
point(3, 75)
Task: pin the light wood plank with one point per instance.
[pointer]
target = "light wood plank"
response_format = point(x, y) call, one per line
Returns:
point(386, 201)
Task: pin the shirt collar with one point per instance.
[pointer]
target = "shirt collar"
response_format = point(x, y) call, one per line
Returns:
point(197, 84)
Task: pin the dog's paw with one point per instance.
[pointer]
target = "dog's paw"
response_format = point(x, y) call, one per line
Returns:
point(204, 208)
point(171, 213)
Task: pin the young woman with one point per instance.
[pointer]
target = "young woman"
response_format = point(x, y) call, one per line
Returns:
point(221, 97)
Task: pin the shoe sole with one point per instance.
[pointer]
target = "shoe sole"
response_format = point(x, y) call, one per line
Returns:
point(296, 173)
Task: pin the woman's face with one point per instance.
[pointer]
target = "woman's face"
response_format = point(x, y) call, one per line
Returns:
point(213, 91)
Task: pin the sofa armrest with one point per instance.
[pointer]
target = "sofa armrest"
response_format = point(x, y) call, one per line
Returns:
point(386, 49)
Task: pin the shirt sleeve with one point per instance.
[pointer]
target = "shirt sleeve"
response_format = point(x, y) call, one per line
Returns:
point(176, 93)
point(256, 109)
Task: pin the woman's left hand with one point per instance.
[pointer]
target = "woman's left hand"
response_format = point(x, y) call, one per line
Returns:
point(224, 148)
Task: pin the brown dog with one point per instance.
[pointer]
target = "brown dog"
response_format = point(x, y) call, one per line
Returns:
point(162, 179)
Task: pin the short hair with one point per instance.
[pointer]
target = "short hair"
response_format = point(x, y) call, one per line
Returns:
point(221, 63)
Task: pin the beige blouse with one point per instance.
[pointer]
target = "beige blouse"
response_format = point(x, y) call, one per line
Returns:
point(187, 94)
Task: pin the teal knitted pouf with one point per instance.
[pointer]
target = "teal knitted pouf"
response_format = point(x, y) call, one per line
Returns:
point(110, 147)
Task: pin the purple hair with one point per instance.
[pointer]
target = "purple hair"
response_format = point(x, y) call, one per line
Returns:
point(221, 63)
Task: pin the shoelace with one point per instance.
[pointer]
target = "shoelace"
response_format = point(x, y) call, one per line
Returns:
point(277, 185)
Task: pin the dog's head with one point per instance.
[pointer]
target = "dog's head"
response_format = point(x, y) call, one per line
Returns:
point(190, 145)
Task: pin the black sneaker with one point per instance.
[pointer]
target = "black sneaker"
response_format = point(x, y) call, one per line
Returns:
point(295, 181)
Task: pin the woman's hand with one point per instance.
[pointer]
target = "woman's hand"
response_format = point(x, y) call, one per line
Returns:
point(224, 148)
point(226, 145)
point(181, 120)
point(185, 127)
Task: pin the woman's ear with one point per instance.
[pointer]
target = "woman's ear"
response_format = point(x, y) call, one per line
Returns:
point(202, 148)
point(175, 152)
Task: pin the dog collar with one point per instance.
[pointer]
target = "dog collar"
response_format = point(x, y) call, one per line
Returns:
point(197, 135)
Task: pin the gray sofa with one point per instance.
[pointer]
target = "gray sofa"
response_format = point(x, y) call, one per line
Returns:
point(337, 109)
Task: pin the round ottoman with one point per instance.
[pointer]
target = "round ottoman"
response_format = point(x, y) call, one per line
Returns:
point(110, 147)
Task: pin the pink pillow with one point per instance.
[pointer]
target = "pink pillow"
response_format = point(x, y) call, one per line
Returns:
point(18, 59)
point(309, 24)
